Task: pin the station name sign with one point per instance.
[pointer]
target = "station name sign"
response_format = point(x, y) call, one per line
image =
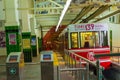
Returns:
point(88, 27)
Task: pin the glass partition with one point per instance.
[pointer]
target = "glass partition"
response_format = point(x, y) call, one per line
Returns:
point(74, 39)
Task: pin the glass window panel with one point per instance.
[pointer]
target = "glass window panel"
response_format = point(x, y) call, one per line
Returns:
point(89, 39)
point(74, 40)
point(104, 37)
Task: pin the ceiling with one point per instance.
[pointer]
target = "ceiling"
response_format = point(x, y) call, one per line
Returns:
point(48, 12)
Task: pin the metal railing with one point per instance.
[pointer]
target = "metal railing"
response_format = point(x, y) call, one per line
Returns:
point(115, 59)
point(79, 68)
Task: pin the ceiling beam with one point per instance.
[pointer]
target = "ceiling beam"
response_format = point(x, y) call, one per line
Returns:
point(96, 13)
point(111, 14)
point(45, 8)
point(82, 13)
point(56, 3)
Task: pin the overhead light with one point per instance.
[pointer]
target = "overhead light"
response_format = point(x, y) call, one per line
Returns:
point(63, 13)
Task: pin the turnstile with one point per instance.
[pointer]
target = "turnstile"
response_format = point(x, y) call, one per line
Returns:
point(46, 65)
point(15, 66)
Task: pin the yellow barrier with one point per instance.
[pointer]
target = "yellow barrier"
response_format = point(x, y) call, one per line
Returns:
point(56, 63)
point(69, 60)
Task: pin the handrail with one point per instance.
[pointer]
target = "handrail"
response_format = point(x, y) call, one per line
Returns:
point(96, 64)
point(82, 57)
point(104, 55)
point(115, 46)
point(116, 59)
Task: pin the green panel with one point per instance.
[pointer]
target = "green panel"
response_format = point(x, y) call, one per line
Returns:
point(40, 44)
point(34, 45)
point(12, 28)
point(13, 39)
point(34, 52)
point(26, 35)
point(33, 41)
point(110, 40)
point(27, 55)
point(26, 39)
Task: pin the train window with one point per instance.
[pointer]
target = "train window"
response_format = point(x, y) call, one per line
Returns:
point(104, 38)
point(74, 39)
point(89, 39)
point(93, 39)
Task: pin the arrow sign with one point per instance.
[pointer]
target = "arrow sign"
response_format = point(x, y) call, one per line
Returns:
point(12, 71)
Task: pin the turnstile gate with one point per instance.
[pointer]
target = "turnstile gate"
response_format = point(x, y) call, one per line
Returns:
point(15, 66)
point(46, 65)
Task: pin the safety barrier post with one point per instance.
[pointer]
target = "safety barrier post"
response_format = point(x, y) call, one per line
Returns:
point(99, 71)
point(81, 71)
point(75, 67)
point(87, 71)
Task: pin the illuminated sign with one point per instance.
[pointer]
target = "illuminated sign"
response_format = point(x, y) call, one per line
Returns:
point(12, 39)
point(88, 27)
point(13, 58)
point(12, 71)
point(26, 43)
point(46, 57)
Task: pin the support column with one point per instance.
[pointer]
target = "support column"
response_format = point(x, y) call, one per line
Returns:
point(2, 29)
point(26, 31)
point(33, 37)
point(12, 28)
point(39, 38)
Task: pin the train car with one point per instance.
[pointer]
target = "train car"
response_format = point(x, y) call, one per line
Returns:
point(88, 39)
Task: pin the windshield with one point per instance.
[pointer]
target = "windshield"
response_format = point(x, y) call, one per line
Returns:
point(89, 39)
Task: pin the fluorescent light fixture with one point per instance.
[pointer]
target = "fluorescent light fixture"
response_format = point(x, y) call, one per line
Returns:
point(63, 13)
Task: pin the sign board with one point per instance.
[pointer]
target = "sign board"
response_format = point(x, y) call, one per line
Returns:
point(26, 43)
point(33, 41)
point(13, 58)
point(46, 56)
point(12, 39)
point(12, 71)
point(88, 27)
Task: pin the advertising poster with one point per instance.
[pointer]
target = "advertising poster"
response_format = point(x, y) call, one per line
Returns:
point(26, 43)
point(12, 39)
point(2, 39)
point(33, 41)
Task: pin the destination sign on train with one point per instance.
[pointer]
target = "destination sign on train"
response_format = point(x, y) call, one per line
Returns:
point(88, 27)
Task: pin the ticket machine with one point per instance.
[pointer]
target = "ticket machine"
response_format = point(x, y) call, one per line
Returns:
point(15, 66)
point(46, 65)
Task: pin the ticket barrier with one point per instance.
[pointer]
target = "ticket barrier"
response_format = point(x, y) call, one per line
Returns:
point(47, 69)
point(15, 66)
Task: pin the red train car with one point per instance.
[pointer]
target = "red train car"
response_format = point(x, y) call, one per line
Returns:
point(88, 39)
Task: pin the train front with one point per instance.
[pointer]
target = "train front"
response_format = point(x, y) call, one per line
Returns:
point(87, 40)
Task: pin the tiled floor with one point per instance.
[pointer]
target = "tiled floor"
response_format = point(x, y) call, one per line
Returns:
point(31, 70)
point(2, 68)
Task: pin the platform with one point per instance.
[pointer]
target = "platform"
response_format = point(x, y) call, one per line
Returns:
point(32, 70)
